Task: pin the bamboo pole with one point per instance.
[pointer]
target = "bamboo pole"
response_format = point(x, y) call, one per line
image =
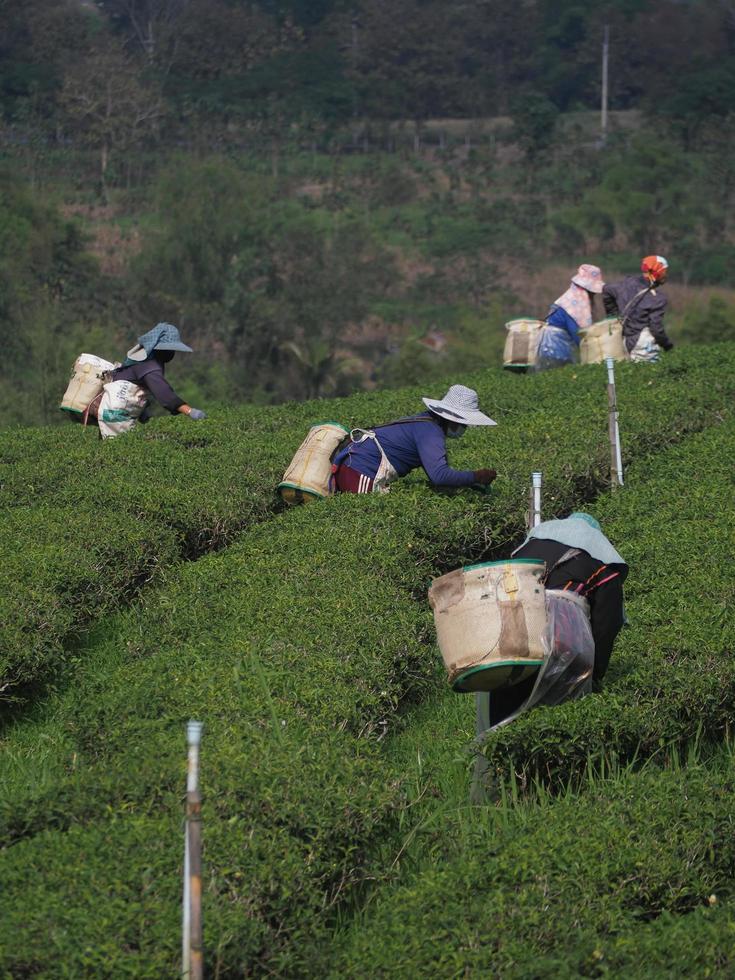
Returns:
point(192, 954)
point(616, 457)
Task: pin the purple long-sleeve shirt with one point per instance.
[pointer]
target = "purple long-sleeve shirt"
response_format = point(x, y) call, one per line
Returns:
point(149, 374)
point(408, 445)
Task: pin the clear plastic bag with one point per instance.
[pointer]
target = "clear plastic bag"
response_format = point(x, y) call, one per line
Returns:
point(570, 650)
point(555, 348)
point(646, 349)
point(569, 657)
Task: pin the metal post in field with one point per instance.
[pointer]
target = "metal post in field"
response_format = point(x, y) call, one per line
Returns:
point(192, 966)
point(536, 491)
point(616, 456)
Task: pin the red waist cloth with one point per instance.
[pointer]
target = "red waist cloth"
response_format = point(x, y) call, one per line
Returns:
point(348, 480)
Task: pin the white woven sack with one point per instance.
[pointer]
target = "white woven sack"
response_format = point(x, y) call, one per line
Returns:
point(490, 616)
point(309, 473)
point(120, 408)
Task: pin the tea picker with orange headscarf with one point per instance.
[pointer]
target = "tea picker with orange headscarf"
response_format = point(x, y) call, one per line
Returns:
point(641, 305)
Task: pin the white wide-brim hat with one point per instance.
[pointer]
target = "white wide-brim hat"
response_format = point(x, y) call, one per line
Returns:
point(460, 405)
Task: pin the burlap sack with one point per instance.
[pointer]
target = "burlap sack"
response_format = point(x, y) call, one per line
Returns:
point(490, 621)
point(603, 339)
point(521, 343)
point(309, 474)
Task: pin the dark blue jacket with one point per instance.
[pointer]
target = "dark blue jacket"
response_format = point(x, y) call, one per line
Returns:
point(149, 374)
point(408, 444)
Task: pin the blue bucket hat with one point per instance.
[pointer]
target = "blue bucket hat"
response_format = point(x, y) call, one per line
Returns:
point(581, 516)
point(164, 336)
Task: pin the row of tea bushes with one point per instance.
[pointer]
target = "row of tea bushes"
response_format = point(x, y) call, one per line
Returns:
point(299, 647)
point(566, 887)
point(131, 508)
point(297, 650)
point(88, 524)
point(673, 671)
point(671, 682)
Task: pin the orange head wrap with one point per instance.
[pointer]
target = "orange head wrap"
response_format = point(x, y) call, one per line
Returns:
point(655, 267)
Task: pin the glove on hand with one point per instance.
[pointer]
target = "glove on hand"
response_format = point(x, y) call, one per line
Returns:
point(197, 414)
point(485, 476)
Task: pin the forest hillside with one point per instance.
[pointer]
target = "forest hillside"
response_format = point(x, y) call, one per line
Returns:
point(327, 197)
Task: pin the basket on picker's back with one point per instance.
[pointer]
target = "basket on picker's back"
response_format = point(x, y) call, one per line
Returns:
point(309, 475)
point(521, 344)
point(601, 340)
point(88, 377)
point(490, 623)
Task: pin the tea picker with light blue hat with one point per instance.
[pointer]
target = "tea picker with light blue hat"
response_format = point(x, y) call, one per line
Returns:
point(145, 366)
point(579, 559)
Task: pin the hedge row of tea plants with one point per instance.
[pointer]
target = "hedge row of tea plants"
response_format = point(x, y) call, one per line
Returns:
point(671, 681)
point(673, 672)
point(132, 507)
point(300, 647)
point(565, 887)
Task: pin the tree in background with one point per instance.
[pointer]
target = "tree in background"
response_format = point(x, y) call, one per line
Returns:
point(260, 280)
point(49, 291)
point(152, 26)
point(107, 105)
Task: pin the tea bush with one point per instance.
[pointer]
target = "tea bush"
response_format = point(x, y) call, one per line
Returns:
point(673, 672)
point(188, 489)
point(301, 647)
point(560, 887)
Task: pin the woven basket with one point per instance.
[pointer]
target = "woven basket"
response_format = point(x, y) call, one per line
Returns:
point(309, 475)
point(603, 339)
point(87, 380)
point(521, 343)
point(490, 621)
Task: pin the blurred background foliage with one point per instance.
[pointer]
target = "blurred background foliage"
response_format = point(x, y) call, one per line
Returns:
point(337, 195)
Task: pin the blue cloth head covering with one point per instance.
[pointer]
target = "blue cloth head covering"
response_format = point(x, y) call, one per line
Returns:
point(582, 516)
point(164, 336)
point(579, 531)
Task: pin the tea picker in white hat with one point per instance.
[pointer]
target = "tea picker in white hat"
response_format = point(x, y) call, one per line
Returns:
point(373, 458)
point(572, 311)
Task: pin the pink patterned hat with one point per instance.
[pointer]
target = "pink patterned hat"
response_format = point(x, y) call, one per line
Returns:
point(589, 277)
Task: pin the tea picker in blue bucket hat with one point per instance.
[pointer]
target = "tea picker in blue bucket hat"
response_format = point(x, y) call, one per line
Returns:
point(580, 560)
point(145, 365)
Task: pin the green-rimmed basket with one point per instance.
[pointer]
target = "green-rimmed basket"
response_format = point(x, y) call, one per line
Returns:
point(490, 623)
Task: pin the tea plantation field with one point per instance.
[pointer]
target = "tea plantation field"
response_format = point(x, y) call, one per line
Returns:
point(156, 578)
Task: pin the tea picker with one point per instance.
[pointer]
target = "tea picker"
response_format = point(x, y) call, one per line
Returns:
point(116, 396)
point(332, 459)
point(535, 629)
point(641, 306)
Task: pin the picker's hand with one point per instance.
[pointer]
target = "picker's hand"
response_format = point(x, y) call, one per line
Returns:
point(197, 414)
point(485, 477)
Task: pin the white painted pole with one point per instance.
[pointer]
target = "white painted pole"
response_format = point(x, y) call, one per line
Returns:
point(616, 456)
point(536, 498)
point(191, 966)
